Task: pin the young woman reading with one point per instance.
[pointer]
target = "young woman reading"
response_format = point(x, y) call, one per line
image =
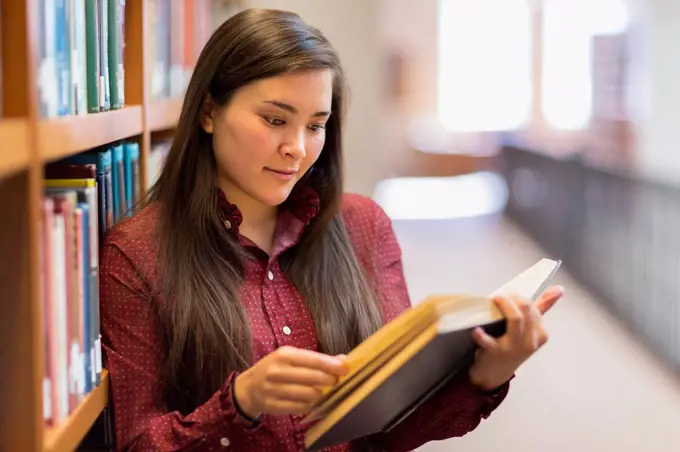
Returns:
point(232, 295)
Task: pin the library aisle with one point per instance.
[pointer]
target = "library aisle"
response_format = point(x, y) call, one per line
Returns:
point(593, 388)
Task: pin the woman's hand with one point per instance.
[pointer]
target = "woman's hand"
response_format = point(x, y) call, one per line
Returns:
point(287, 380)
point(498, 359)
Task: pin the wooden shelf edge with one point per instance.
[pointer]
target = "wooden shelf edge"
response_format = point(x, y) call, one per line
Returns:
point(163, 114)
point(62, 137)
point(70, 433)
point(14, 146)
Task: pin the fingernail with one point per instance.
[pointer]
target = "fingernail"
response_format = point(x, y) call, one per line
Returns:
point(334, 360)
point(558, 290)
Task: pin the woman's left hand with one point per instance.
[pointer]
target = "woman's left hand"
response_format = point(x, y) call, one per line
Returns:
point(497, 359)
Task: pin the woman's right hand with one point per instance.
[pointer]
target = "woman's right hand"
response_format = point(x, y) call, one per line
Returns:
point(288, 380)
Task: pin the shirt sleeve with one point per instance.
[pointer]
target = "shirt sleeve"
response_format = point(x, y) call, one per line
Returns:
point(133, 354)
point(456, 409)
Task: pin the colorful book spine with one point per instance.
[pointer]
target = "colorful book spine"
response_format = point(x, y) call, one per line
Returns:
point(63, 56)
point(78, 59)
point(115, 62)
point(59, 317)
point(105, 101)
point(132, 188)
point(103, 162)
point(92, 55)
point(118, 176)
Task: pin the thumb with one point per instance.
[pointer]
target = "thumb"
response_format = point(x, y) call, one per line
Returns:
point(549, 298)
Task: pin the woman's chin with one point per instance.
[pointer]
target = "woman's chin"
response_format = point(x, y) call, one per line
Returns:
point(274, 198)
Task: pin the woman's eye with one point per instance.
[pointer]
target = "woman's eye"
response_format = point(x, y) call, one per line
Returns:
point(317, 127)
point(274, 121)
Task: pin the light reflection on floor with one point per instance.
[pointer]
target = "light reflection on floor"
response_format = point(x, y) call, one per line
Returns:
point(437, 198)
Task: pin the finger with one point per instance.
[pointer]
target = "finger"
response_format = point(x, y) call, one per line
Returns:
point(293, 393)
point(484, 340)
point(313, 360)
point(548, 299)
point(513, 316)
point(528, 318)
point(284, 373)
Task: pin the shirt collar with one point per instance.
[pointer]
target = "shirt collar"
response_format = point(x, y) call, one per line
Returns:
point(303, 204)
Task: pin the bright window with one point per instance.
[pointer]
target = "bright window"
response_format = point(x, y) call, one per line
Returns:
point(484, 64)
point(568, 28)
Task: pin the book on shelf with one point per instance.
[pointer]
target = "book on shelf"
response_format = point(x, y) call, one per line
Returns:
point(71, 297)
point(177, 33)
point(407, 361)
point(78, 210)
point(81, 51)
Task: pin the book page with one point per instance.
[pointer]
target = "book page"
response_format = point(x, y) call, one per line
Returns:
point(532, 282)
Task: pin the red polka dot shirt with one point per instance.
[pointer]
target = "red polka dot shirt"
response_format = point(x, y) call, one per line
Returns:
point(278, 316)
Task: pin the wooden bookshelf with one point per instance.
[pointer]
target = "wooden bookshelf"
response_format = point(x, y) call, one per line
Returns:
point(14, 147)
point(63, 137)
point(163, 115)
point(27, 143)
point(68, 435)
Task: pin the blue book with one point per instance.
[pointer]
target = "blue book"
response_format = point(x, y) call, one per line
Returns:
point(63, 56)
point(102, 160)
point(118, 176)
point(132, 174)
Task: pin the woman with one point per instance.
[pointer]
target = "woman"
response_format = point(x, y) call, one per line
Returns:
point(235, 292)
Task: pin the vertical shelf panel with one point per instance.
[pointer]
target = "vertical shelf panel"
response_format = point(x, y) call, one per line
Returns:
point(136, 76)
point(21, 420)
point(17, 392)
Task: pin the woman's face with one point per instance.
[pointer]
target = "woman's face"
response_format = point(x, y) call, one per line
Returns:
point(269, 134)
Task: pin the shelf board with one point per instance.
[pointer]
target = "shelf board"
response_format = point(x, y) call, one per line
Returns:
point(163, 114)
point(14, 146)
point(62, 137)
point(71, 432)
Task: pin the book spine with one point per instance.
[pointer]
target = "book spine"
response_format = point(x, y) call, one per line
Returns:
point(78, 308)
point(50, 401)
point(86, 317)
point(116, 156)
point(104, 165)
point(104, 88)
point(113, 43)
point(59, 319)
point(121, 53)
point(81, 102)
point(92, 55)
point(131, 160)
point(62, 57)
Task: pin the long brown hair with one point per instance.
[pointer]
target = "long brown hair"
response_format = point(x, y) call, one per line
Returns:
point(201, 265)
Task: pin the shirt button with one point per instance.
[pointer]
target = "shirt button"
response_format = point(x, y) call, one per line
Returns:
point(270, 275)
point(286, 330)
point(225, 442)
point(227, 224)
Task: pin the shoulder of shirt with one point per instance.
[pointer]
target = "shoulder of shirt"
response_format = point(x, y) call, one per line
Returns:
point(359, 211)
point(135, 234)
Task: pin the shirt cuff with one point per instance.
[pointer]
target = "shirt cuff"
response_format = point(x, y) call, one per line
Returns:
point(230, 411)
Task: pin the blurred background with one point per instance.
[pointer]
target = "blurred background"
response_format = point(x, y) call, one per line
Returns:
point(497, 132)
point(493, 133)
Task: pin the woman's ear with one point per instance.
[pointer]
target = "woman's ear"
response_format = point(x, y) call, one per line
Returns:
point(207, 114)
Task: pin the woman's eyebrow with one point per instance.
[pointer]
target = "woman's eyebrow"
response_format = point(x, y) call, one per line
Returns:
point(289, 108)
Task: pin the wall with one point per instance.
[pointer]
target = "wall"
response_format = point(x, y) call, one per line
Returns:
point(365, 32)
point(352, 27)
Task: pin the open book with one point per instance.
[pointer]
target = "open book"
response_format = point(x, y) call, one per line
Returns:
point(408, 360)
